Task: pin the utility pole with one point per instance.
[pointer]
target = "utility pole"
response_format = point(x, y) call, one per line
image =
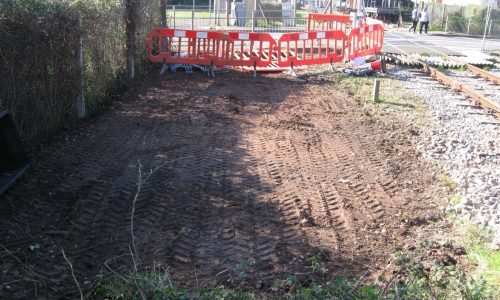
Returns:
point(488, 17)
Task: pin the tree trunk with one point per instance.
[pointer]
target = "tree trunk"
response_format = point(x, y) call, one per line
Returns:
point(130, 29)
point(80, 101)
point(163, 12)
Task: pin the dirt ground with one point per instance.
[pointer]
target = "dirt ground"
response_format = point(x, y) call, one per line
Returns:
point(255, 177)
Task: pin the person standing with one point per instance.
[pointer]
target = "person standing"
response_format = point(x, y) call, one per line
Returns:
point(414, 19)
point(424, 20)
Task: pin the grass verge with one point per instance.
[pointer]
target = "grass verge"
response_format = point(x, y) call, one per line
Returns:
point(412, 279)
point(477, 241)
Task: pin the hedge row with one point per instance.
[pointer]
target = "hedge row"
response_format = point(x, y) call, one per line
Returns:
point(40, 73)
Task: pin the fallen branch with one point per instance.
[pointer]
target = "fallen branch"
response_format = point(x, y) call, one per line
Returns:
point(133, 250)
point(41, 279)
point(73, 274)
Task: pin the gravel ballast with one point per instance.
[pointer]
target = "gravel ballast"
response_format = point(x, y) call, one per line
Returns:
point(465, 142)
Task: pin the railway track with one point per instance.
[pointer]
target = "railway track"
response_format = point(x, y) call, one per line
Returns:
point(477, 84)
point(484, 74)
point(460, 135)
point(485, 85)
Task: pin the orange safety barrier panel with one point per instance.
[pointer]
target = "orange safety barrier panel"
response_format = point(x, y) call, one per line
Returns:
point(322, 22)
point(260, 50)
point(310, 48)
point(187, 46)
point(366, 40)
point(251, 49)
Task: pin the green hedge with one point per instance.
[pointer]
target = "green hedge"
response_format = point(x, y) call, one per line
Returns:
point(39, 73)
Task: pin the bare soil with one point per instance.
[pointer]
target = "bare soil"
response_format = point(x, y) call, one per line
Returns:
point(259, 175)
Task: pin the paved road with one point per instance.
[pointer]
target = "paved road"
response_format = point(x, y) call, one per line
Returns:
point(402, 42)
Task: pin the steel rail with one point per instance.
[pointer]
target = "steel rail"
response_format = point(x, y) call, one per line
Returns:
point(478, 71)
point(493, 108)
point(438, 75)
point(485, 74)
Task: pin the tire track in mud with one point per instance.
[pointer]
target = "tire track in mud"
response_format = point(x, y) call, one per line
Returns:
point(303, 196)
point(206, 252)
point(279, 240)
point(70, 153)
point(94, 191)
point(352, 184)
point(334, 204)
point(266, 210)
point(195, 172)
point(216, 237)
point(330, 212)
point(363, 175)
point(102, 213)
point(374, 159)
point(351, 199)
point(250, 189)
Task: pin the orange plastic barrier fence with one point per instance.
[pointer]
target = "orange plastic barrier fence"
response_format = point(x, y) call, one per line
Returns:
point(260, 50)
point(311, 48)
point(187, 46)
point(251, 49)
point(245, 49)
point(316, 22)
point(366, 40)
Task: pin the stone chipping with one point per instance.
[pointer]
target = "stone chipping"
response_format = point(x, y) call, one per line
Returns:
point(465, 141)
point(481, 85)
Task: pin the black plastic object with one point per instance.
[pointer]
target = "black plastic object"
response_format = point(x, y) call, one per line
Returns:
point(13, 159)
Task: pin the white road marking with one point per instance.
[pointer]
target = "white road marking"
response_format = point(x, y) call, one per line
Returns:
point(420, 45)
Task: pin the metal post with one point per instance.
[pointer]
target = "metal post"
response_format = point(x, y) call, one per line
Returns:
point(192, 17)
point(442, 16)
point(210, 12)
point(468, 27)
point(216, 12)
point(254, 13)
point(253, 20)
point(228, 13)
point(355, 15)
point(294, 13)
point(173, 12)
point(400, 20)
point(446, 26)
point(488, 15)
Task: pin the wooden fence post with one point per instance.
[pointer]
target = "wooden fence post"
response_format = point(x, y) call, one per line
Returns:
point(376, 90)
